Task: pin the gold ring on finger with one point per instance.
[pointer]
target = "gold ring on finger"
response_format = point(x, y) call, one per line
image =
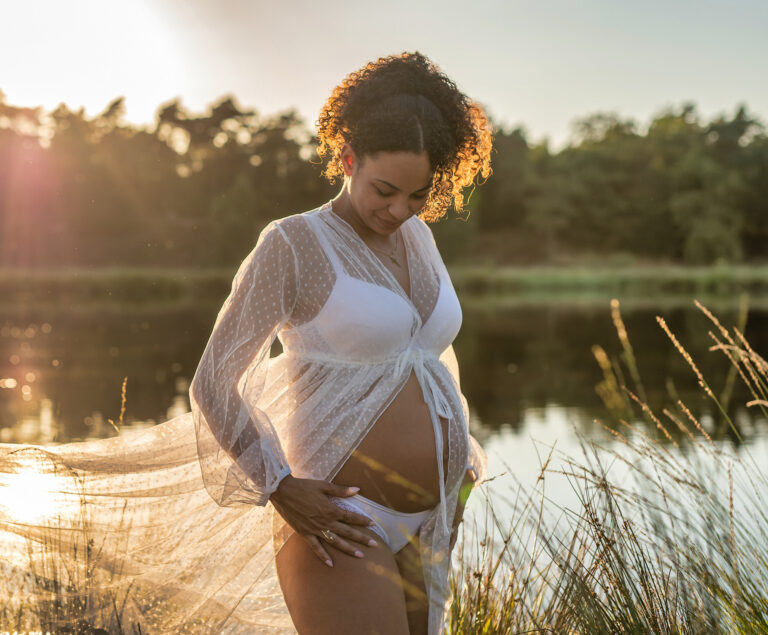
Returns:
point(328, 535)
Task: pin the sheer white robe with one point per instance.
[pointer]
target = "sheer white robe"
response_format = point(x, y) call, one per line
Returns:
point(195, 489)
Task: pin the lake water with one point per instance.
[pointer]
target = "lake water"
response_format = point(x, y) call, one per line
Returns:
point(527, 370)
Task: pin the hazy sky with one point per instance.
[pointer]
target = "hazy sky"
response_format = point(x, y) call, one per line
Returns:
point(539, 64)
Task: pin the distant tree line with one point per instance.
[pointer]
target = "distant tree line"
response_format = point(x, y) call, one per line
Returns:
point(195, 190)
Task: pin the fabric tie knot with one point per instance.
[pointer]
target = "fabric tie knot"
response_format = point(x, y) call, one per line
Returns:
point(418, 356)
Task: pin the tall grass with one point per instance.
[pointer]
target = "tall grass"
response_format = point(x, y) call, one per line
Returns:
point(64, 588)
point(667, 537)
point(72, 581)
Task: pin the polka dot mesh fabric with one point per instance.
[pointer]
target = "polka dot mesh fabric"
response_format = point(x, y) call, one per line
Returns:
point(194, 489)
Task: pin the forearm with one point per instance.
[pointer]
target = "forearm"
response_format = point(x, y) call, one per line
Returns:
point(263, 465)
point(207, 410)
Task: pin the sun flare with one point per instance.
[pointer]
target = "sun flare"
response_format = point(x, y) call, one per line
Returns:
point(30, 497)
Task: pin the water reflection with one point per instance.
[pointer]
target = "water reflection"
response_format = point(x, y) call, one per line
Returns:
point(528, 372)
point(61, 380)
point(554, 436)
point(61, 371)
point(40, 429)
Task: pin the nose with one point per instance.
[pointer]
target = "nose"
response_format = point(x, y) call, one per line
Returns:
point(400, 211)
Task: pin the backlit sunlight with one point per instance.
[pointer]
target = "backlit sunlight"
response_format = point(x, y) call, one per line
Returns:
point(31, 497)
point(88, 53)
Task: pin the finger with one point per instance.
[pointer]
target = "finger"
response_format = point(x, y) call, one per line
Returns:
point(353, 534)
point(346, 547)
point(318, 549)
point(339, 490)
point(353, 518)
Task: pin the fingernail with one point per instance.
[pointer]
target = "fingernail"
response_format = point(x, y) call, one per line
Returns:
point(372, 543)
point(329, 563)
point(358, 554)
point(353, 490)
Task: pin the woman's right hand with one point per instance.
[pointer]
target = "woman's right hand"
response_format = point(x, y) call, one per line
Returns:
point(305, 506)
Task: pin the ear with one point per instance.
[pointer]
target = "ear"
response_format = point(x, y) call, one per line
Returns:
point(348, 159)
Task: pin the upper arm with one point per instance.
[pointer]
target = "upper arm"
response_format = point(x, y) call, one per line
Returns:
point(263, 293)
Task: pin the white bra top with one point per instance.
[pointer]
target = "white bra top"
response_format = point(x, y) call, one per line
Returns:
point(360, 315)
point(364, 322)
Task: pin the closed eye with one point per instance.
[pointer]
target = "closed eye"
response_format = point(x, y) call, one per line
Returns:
point(387, 194)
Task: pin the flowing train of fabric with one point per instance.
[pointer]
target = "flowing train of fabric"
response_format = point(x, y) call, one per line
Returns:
point(129, 519)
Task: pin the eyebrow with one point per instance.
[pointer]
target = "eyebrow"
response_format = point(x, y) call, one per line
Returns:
point(398, 189)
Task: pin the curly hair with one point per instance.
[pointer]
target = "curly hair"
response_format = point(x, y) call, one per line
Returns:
point(405, 103)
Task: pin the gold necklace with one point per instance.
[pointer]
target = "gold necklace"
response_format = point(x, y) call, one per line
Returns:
point(390, 255)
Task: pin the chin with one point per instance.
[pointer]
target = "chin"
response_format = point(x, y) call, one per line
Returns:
point(386, 226)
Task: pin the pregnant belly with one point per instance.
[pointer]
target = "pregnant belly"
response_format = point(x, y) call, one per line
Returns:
point(395, 464)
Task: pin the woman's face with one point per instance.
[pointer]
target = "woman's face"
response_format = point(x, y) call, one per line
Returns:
point(388, 188)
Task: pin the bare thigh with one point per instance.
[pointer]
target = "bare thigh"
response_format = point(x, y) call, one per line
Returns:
point(356, 595)
point(409, 563)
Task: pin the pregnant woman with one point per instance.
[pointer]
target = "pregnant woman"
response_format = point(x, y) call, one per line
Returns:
point(339, 468)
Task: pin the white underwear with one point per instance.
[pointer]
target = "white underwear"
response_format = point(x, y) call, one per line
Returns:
point(395, 528)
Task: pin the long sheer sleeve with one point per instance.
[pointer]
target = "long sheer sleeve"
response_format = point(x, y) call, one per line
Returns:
point(240, 455)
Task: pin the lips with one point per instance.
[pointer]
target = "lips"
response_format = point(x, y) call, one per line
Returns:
point(387, 224)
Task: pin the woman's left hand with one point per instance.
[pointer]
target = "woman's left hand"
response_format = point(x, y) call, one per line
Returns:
point(466, 488)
